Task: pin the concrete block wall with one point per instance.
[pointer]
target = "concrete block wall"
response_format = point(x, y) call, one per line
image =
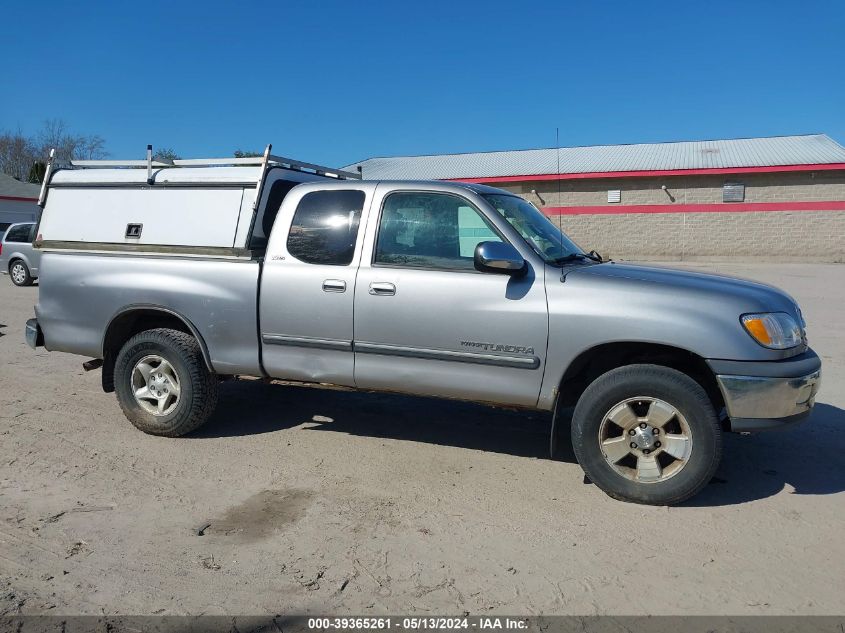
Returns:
point(766, 187)
point(769, 235)
point(807, 234)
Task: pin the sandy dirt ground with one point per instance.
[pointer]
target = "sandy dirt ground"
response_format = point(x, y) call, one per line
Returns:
point(302, 500)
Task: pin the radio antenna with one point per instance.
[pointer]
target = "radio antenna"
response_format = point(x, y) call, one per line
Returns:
point(559, 201)
point(557, 147)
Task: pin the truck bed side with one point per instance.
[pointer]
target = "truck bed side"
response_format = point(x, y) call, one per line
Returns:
point(80, 294)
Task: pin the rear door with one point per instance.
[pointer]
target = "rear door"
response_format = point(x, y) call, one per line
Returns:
point(308, 283)
point(427, 322)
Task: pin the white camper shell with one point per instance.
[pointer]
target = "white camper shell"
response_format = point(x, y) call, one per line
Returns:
point(198, 207)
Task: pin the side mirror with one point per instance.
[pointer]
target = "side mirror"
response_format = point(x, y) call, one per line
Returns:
point(498, 257)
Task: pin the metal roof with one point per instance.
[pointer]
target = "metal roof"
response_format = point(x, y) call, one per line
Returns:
point(13, 188)
point(809, 149)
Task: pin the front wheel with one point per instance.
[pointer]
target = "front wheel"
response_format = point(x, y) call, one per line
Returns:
point(647, 434)
point(162, 383)
point(19, 272)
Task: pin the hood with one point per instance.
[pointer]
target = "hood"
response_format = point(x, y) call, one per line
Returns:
point(699, 312)
point(746, 295)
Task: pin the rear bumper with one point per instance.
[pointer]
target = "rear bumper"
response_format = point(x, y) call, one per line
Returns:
point(34, 335)
point(770, 395)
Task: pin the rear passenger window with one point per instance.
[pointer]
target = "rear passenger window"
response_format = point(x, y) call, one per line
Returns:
point(264, 223)
point(20, 233)
point(325, 227)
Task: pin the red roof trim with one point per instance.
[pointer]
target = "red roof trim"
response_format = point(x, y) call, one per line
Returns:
point(18, 199)
point(719, 207)
point(657, 172)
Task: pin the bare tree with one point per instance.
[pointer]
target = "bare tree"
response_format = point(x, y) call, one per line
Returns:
point(17, 154)
point(166, 153)
point(69, 146)
point(23, 157)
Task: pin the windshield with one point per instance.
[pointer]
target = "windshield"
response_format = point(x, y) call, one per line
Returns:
point(543, 236)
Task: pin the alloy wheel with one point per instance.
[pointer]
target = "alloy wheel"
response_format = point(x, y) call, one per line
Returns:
point(156, 385)
point(645, 439)
point(18, 273)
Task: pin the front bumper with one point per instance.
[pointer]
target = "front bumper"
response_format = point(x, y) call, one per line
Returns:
point(34, 335)
point(768, 395)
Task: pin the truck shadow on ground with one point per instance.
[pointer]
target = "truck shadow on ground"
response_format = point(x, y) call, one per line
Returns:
point(250, 407)
point(806, 460)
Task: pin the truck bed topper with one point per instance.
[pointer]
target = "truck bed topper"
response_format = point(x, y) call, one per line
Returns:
point(224, 204)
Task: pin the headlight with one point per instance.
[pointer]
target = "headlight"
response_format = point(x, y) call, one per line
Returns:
point(776, 330)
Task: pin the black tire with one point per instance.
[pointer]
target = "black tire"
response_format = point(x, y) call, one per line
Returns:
point(198, 386)
point(24, 277)
point(674, 388)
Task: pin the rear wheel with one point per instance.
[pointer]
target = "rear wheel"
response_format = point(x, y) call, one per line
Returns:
point(163, 384)
point(19, 272)
point(647, 434)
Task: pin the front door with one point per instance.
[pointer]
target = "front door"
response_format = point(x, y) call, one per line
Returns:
point(427, 322)
point(308, 283)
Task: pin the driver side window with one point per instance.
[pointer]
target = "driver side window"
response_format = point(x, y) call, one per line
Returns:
point(430, 230)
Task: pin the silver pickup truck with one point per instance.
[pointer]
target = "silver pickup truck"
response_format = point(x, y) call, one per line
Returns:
point(176, 275)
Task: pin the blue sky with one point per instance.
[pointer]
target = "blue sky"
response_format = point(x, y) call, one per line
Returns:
point(336, 82)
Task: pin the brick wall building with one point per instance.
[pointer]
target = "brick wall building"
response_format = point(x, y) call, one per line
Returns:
point(768, 198)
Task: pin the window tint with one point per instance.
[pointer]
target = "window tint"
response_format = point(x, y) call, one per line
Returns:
point(430, 230)
point(264, 224)
point(20, 233)
point(325, 227)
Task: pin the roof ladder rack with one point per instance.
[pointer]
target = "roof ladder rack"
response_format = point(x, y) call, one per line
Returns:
point(48, 173)
point(266, 160)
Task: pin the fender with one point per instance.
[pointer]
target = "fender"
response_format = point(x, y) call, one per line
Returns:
point(650, 344)
point(108, 365)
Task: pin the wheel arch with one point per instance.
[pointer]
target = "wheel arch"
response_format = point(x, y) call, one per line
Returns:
point(20, 257)
point(599, 359)
point(16, 257)
point(594, 361)
point(135, 318)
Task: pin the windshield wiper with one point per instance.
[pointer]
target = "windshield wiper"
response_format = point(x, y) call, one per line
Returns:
point(592, 255)
point(569, 258)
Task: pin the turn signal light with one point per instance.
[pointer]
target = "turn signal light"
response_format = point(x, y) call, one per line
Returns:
point(776, 330)
point(758, 330)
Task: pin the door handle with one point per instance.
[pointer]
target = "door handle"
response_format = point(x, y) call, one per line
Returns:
point(334, 285)
point(382, 288)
